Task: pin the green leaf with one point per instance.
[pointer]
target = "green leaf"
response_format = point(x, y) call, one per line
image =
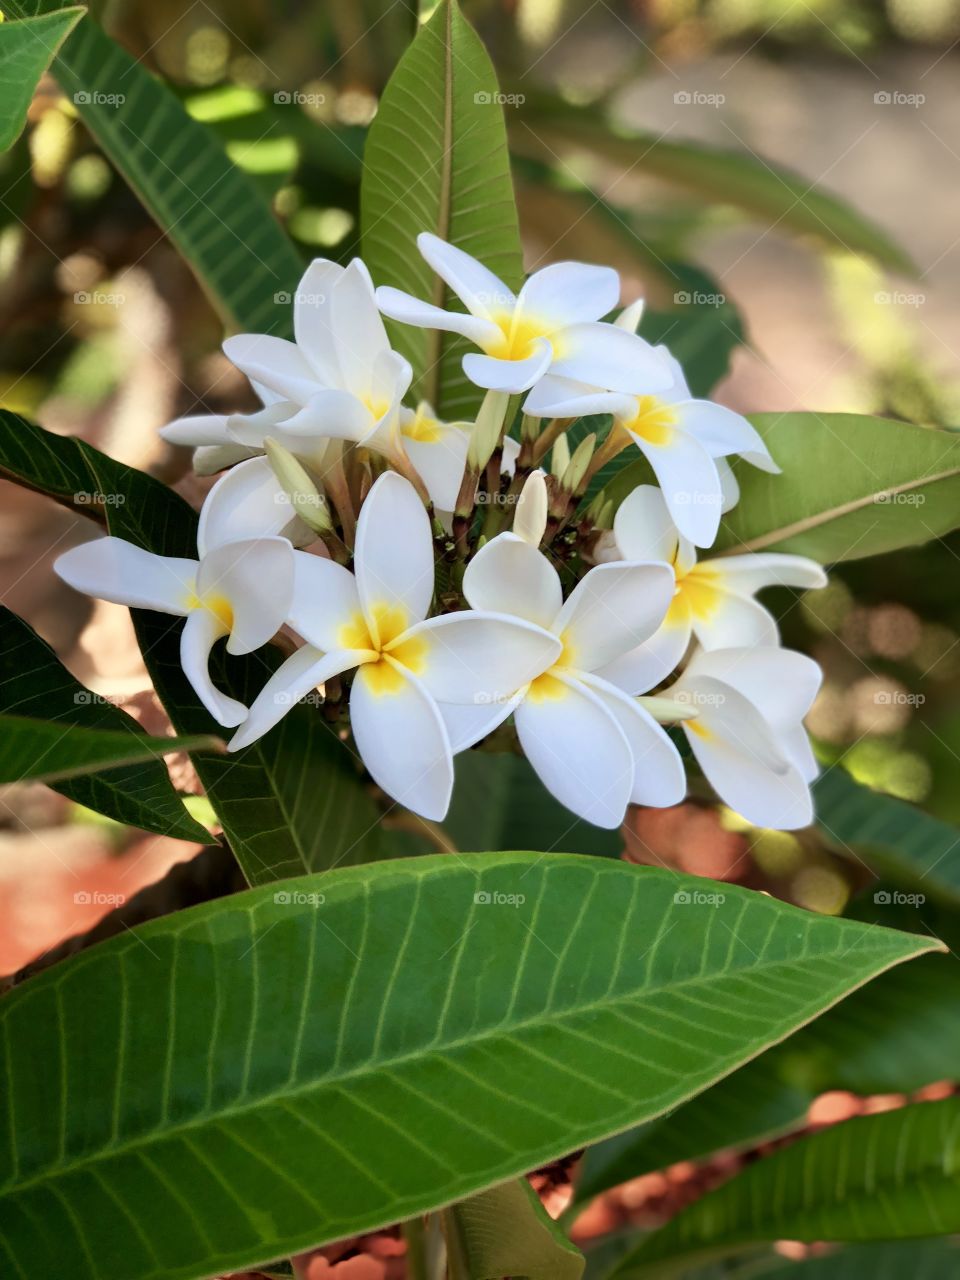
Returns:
point(893, 1036)
point(505, 1231)
point(26, 49)
point(41, 751)
point(500, 803)
point(436, 160)
point(852, 486)
point(882, 1177)
point(369, 1044)
point(934, 1259)
point(768, 192)
point(295, 800)
point(33, 683)
point(895, 839)
point(212, 211)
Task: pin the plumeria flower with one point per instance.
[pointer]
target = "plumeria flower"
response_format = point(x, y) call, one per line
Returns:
point(747, 731)
point(240, 586)
point(713, 600)
point(552, 324)
point(438, 453)
point(686, 441)
point(595, 749)
point(376, 621)
point(338, 380)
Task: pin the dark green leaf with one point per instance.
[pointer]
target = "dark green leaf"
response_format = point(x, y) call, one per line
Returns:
point(505, 1231)
point(34, 683)
point(366, 1045)
point(25, 51)
point(436, 160)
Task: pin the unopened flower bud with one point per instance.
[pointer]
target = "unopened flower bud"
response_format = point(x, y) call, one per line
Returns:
point(560, 457)
point(576, 469)
point(630, 317)
point(305, 498)
point(485, 433)
point(530, 518)
point(668, 710)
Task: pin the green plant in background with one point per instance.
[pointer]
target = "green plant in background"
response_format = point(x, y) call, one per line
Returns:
point(368, 1035)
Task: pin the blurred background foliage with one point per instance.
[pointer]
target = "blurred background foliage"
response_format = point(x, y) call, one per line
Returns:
point(107, 335)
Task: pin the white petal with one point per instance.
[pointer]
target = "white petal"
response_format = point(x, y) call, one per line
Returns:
point(725, 712)
point(729, 484)
point(469, 724)
point(197, 429)
point(247, 502)
point(481, 292)
point(393, 553)
point(658, 779)
point(735, 621)
point(642, 526)
point(608, 357)
point(630, 317)
point(566, 293)
point(255, 577)
point(301, 672)
point(690, 483)
point(678, 389)
point(530, 516)
point(402, 740)
point(566, 398)
point(440, 463)
point(250, 428)
point(513, 376)
point(578, 749)
point(200, 632)
point(114, 570)
point(313, 319)
point(508, 575)
point(357, 328)
point(749, 573)
point(722, 432)
point(325, 415)
point(279, 365)
point(612, 610)
point(208, 459)
point(325, 600)
point(408, 310)
point(476, 658)
point(782, 684)
point(654, 660)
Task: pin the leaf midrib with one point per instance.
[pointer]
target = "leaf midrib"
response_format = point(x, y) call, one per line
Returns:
point(151, 1137)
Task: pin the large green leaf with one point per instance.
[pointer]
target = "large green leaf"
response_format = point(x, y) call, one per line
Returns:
point(894, 1036)
point(934, 1259)
point(41, 751)
point(369, 1044)
point(891, 1176)
point(505, 1231)
point(212, 211)
point(500, 803)
point(852, 486)
point(26, 49)
point(436, 160)
point(34, 683)
point(767, 192)
point(896, 839)
point(294, 801)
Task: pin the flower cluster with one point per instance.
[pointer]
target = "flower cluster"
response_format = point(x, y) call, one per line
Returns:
point(379, 535)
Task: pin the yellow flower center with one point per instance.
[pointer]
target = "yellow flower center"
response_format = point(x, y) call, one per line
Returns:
point(699, 591)
point(389, 650)
point(653, 421)
point(546, 687)
point(701, 730)
point(377, 405)
point(423, 428)
point(218, 605)
point(519, 333)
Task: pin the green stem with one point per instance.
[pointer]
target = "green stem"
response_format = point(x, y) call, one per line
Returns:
point(414, 1232)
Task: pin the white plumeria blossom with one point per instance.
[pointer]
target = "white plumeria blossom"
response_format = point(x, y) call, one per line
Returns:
point(686, 441)
point(438, 453)
point(553, 324)
point(375, 620)
point(747, 730)
point(595, 749)
point(713, 600)
point(241, 586)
